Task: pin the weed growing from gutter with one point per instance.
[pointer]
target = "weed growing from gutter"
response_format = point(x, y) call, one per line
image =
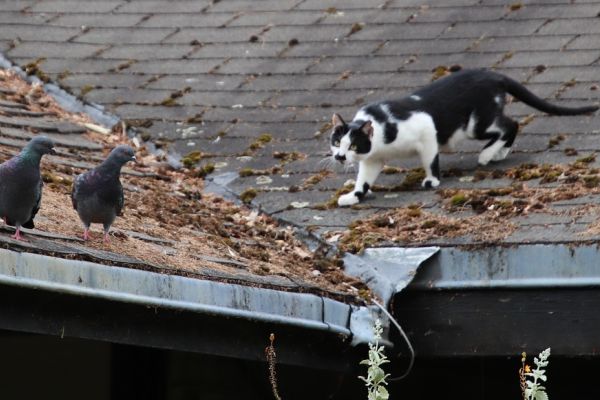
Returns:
point(376, 376)
point(272, 360)
point(530, 379)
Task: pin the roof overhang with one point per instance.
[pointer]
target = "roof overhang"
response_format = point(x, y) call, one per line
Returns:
point(82, 299)
point(502, 300)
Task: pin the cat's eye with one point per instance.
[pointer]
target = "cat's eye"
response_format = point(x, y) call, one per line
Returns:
point(337, 143)
point(353, 147)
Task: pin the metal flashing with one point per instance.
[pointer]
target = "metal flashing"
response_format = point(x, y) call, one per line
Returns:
point(387, 270)
point(306, 311)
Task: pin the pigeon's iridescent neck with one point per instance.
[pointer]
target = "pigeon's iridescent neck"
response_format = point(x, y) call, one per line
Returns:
point(30, 156)
point(110, 168)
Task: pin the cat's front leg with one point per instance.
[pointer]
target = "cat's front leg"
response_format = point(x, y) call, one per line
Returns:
point(368, 171)
point(431, 164)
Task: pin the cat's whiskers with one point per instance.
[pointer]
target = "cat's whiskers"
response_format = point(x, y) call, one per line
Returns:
point(331, 164)
point(349, 167)
point(327, 163)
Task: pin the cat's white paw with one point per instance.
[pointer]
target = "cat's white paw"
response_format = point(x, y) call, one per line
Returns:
point(485, 157)
point(348, 199)
point(430, 182)
point(501, 154)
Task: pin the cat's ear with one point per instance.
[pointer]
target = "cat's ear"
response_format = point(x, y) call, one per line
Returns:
point(367, 128)
point(337, 120)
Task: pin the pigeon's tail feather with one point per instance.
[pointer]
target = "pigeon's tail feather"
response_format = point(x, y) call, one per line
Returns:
point(29, 224)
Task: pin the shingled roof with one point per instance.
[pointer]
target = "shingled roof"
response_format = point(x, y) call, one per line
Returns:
point(168, 226)
point(252, 85)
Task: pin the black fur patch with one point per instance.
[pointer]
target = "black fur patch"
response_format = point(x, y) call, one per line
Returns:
point(390, 132)
point(338, 133)
point(360, 139)
point(361, 195)
point(401, 109)
point(512, 128)
point(435, 166)
point(377, 113)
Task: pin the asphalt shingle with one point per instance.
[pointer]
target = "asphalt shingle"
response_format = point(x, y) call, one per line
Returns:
point(197, 82)
point(159, 7)
point(185, 20)
point(211, 35)
point(151, 51)
point(566, 26)
point(97, 20)
point(73, 6)
point(300, 18)
point(43, 49)
point(125, 35)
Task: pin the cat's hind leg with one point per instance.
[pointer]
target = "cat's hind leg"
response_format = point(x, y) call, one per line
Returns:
point(501, 133)
point(494, 133)
point(368, 171)
point(511, 128)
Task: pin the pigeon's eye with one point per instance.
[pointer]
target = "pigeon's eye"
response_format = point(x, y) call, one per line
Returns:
point(353, 147)
point(336, 143)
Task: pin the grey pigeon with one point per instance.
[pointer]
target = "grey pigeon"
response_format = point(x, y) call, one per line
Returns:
point(21, 184)
point(97, 194)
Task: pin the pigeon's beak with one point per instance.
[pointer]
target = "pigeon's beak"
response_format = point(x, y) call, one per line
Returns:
point(134, 159)
point(52, 151)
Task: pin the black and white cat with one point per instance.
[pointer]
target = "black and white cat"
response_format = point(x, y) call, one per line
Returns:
point(465, 105)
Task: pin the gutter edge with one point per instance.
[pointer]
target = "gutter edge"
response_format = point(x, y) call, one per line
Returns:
point(83, 278)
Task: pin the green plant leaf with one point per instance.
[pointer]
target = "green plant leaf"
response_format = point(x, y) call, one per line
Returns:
point(382, 393)
point(541, 396)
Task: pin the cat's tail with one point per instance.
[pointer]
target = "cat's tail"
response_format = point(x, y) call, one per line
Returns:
point(522, 93)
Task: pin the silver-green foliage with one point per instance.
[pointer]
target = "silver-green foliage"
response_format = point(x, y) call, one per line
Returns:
point(376, 376)
point(535, 390)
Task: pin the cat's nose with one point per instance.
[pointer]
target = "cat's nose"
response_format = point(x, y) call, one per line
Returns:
point(340, 158)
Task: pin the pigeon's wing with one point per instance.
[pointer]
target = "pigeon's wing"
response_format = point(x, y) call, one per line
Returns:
point(36, 207)
point(6, 166)
point(4, 171)
point(120, 201)
point(75, 190)
point(111, 193)
point(7, 169)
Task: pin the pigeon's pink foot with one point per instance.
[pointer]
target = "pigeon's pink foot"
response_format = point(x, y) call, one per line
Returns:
point(17, 235)
point(86, 234)
point(106, 238)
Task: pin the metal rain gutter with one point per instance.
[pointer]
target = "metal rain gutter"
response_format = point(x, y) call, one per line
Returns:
point(389, 270)
point(524, 266)
point(82, 278)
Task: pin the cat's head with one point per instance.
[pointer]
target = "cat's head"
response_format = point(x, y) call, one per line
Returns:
point(351, 141)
